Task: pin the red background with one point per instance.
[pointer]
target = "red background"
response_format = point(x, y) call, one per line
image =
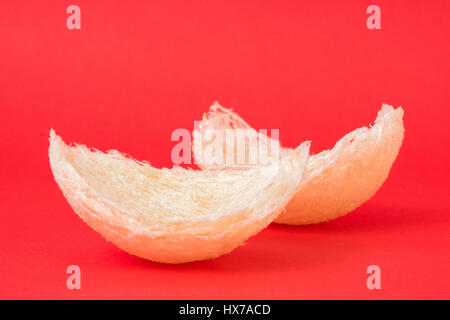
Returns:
point(137, 70)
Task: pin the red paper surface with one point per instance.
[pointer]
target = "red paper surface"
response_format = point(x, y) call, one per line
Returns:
point(137, 70)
